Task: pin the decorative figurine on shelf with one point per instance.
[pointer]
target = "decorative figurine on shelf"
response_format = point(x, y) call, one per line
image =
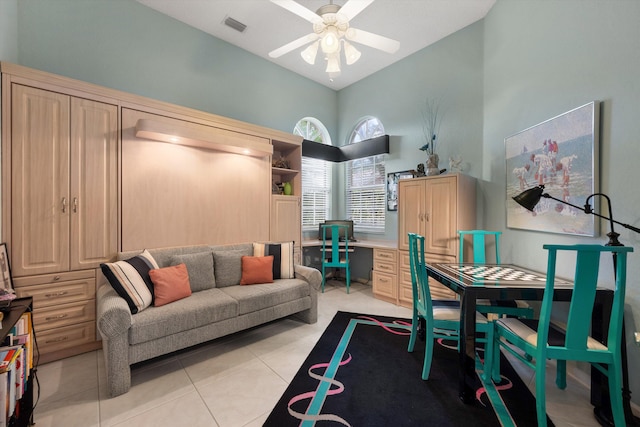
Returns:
point(455, 164)
point(281, 163)
point(431, 119)
point(287, 189)
point(420, 171)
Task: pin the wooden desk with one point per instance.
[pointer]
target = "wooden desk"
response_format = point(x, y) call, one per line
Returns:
point(371, 244)
point(472, 282)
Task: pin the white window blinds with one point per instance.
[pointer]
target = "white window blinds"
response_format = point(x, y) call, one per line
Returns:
point(366, 193)
point(316, 192)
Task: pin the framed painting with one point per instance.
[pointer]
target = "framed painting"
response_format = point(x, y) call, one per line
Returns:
point(392, 187)
point(5, 270)
point(561, 154)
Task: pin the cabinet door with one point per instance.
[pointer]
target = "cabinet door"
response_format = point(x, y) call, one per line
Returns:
point(94, 143)
point(440, 215)
point(286, 221)
point(40, 181)
point(411, 199)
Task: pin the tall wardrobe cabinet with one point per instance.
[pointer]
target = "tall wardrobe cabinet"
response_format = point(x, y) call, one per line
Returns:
point(63, 207)
point(435, 207)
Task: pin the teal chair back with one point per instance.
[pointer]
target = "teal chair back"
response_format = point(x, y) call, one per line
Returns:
point(335, 253)
point(541, 341)
point(479, 242)
point(439, 318)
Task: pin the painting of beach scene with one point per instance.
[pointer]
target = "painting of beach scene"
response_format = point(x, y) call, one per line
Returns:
point(561, 154)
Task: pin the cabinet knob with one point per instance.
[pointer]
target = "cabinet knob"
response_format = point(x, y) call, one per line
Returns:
point(55, 278)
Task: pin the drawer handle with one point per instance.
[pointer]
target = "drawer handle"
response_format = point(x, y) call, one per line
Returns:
point(56, 278)
point(385, 256)
point(60, 316)
point(59, 339)
point(383, 280)
point(56, 294)
point(385, 267)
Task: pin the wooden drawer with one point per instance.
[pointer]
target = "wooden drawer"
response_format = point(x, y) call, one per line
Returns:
point(66, 337)
point(388, 267)
point(58, 292)
point(64, 315)
point(384, 255)
point(384, 284)
point(53, 278)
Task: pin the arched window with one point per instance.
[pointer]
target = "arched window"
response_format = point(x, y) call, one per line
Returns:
point(316, 176)
point(365, 181)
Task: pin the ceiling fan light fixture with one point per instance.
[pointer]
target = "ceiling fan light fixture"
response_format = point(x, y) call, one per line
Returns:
point(333, 64)
point(309, 54)
point(330, 41)
point(351, 53)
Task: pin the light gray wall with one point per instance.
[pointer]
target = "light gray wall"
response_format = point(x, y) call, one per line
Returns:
point(542, 59)
point(124, 45)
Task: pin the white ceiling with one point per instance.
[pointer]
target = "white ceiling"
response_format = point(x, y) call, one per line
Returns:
point(414, 23)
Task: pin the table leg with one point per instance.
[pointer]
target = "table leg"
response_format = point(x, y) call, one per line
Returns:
point(467, 347)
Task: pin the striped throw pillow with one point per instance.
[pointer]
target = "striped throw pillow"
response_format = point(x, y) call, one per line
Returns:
point(130, 279)
point(282, 258)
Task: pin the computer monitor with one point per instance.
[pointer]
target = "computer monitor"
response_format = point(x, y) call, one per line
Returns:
point(348, 232)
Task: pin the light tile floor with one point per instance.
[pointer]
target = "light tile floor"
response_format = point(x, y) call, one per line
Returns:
point(231, 382)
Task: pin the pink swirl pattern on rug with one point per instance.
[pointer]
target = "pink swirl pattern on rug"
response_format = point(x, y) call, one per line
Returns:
point(386, 328)
point(482, 390)
point(309, 395)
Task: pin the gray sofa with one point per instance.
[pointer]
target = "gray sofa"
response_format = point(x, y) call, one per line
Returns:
point(205, 315)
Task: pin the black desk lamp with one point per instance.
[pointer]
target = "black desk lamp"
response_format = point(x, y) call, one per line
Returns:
point(528, 199)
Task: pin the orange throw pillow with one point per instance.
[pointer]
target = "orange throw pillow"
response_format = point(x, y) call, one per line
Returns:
point(170, 284)
point(257, 269)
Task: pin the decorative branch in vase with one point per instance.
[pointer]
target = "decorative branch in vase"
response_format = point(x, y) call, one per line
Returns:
point(431, 120)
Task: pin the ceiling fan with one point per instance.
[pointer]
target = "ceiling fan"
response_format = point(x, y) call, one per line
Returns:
point(330, 28)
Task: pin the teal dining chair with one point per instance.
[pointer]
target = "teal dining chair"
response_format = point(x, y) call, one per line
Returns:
point(441, 318)
point(571, 341)
point(335, 252)
point(479, 241)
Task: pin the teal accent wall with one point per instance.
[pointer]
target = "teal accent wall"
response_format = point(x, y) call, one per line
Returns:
point(124, 45)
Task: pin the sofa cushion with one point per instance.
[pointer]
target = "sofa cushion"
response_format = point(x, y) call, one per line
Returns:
point(228, 266)
point(254, 298)
point(282, 258)
point(199, 309)
point(200, 268)
point(130, 279)
point(170, 284)
point(257, 269)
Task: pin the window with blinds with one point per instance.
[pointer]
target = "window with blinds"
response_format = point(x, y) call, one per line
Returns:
point(365, 182)
point(316, 176)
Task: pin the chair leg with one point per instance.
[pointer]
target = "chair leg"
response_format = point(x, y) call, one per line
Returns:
point(323, 278)
point(614, 373)
point(414, 332)
point(428, 353)
point(541, 403)
point(561, 374)
point(348, 271)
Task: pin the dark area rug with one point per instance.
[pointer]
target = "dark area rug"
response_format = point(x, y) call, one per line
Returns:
point(360, 374)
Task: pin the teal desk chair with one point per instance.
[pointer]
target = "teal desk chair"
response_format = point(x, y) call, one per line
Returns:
point(479, 244)
point(335, 253)
point(440, 318)
point(547, 340)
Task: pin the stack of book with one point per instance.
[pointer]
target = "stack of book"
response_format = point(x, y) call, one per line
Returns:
point(16, 362)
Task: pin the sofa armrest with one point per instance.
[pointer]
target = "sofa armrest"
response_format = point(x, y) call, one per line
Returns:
point(114, 316)
point(309, 274)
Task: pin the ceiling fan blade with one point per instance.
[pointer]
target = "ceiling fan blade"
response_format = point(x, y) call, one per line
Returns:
point(299, 10)
point(354, 7)
point(372, 40)
point(293, 45)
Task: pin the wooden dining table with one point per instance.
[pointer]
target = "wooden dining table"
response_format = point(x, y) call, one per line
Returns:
point(510, 282)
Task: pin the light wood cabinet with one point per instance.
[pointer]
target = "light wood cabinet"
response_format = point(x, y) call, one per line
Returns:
point(385, 275)
point(64, 182)
point(286, 222)
point(435, 207)
point(63, 209)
